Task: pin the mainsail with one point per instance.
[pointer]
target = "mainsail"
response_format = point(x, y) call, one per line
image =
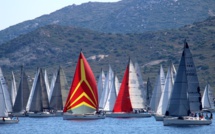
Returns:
point(159, 87)
point(4, 88)
point(193, 82)
point(56, 100)
point(46, 82)
point(22, 93)
point(101, 83)
point(83, 94)
point(109, 92)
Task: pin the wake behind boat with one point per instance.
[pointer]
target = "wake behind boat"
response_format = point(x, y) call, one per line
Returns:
point(82, 100)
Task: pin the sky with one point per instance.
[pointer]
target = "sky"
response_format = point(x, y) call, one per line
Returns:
point(15, 11)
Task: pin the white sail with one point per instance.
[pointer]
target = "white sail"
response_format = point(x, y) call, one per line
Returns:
point(135, 88)
point(46, 82)
point(140, 79)
point(165, 96)
point(207, 98)
point(32, 90)
point(6, 92)
point(52, 85)
point(106, 90)
point(112, 93)
point(3, 108)
point(158, 88)
point(117, 84)
point(13, 89)
point(101, 83)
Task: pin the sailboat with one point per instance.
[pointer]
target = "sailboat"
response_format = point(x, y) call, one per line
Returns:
point(38, 103)
point(185, 97)
point(158, 89)
point(56, 100)
point(130, 101)
point(109, 93)
point(101, 83)
point(5, 103)
point(165, 96)
point(82, 100)
point(19, 107)
point(208, 103)
point(13, 89)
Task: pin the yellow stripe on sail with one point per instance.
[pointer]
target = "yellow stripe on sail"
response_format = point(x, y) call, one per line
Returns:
point(76, 88)
point(80, 97)
point(83, 104)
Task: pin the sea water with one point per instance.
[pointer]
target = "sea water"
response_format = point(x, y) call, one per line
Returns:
point(56, 125)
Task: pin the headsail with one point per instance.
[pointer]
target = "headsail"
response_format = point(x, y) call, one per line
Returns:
point(83, 94)
point(148, 91)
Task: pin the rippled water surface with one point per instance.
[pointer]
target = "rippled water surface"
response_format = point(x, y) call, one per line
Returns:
point(56, 125)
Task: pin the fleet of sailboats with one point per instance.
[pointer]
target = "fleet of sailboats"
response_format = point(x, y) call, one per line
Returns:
point(174, 100)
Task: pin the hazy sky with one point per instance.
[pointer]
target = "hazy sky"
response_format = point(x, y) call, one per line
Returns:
point(15, 11)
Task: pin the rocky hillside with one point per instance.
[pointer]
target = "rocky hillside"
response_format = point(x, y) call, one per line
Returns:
point(55, 45)
point(125, 16)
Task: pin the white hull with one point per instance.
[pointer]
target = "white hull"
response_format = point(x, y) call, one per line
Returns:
point(186, 121)
point(9, 120)
point(158, 117)
point(70, 116)
point(41, 114)
point(128, 115)
point(210, 110)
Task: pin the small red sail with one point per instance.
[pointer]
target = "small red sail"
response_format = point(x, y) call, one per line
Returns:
point(83, 91)
point(123, 102)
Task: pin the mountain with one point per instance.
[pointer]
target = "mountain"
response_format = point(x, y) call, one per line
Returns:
point(125, 16)
point(54, 45)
